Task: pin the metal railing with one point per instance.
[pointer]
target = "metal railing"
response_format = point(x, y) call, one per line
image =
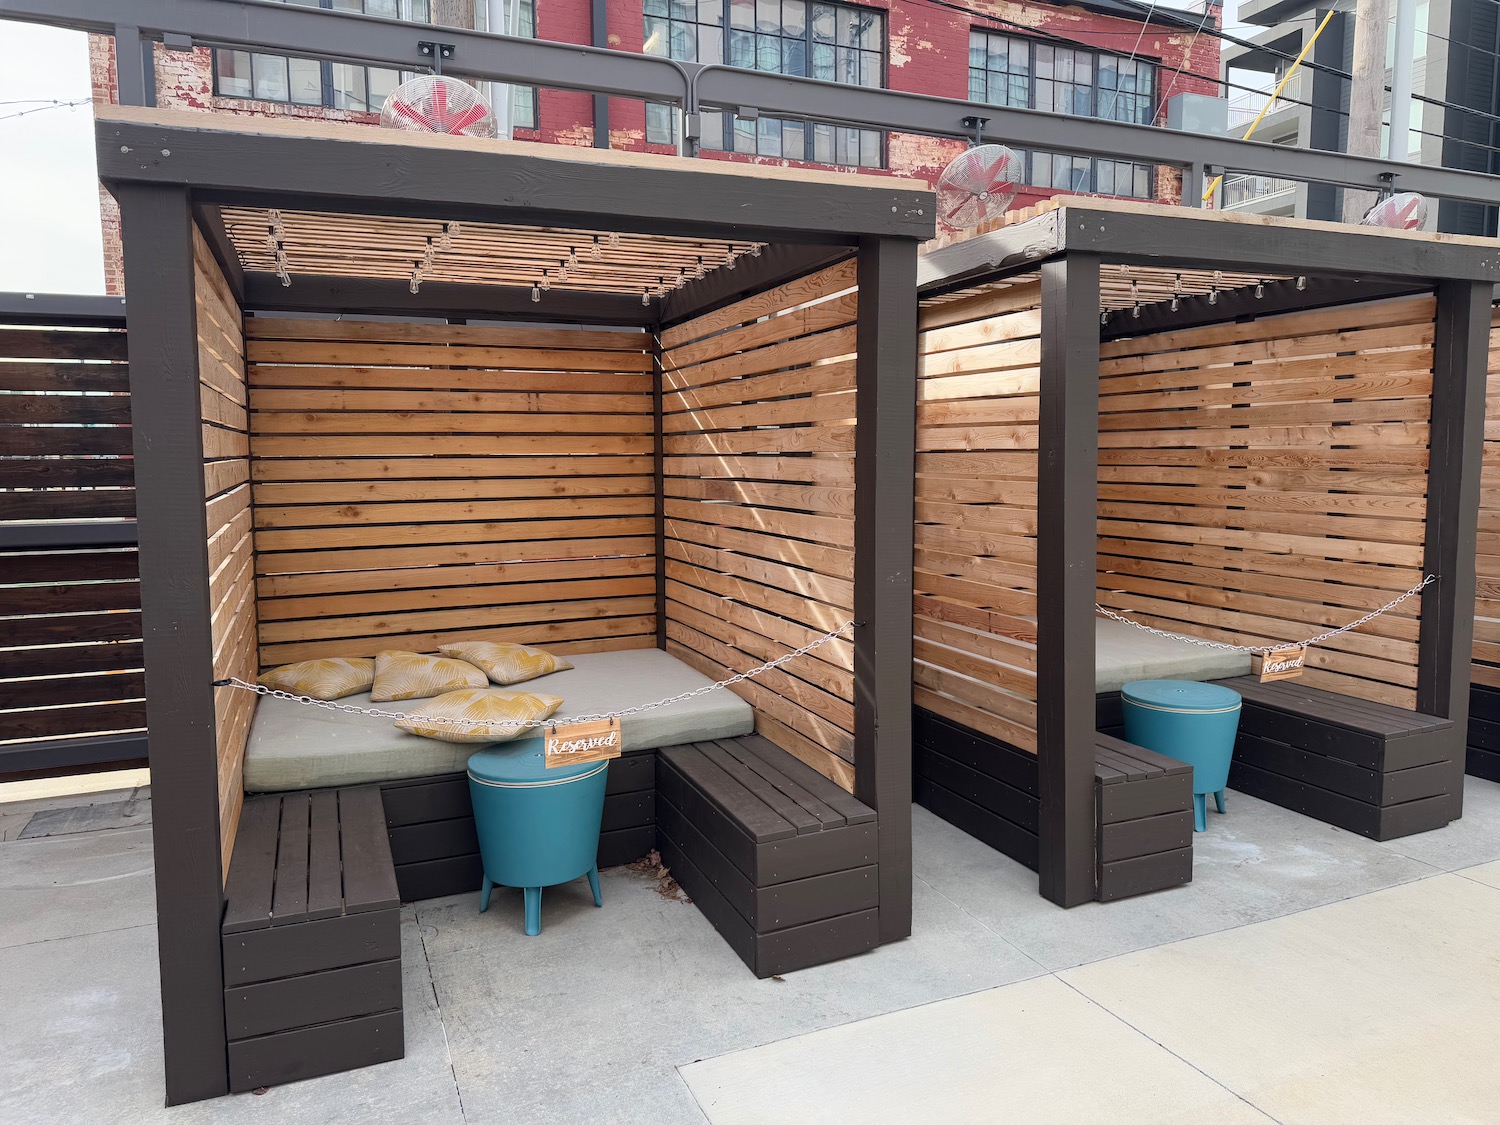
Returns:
point(1239, 190)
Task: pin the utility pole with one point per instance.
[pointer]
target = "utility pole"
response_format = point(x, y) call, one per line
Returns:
point(1366, 96)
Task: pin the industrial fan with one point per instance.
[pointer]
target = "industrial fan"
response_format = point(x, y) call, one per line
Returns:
point(1404, 211)
point(978, 184)
point(435, 103)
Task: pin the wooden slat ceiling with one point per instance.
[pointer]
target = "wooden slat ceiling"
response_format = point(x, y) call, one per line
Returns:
point(1124, 287)
point(310, 242)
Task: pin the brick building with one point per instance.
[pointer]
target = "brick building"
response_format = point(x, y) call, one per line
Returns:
point(1097, 58)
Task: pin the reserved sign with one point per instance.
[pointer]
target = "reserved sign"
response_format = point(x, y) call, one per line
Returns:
point(574, 743)
point(1283, 664)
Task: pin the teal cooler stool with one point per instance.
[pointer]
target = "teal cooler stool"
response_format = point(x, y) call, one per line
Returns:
point(1193, 722)
point(537, 826)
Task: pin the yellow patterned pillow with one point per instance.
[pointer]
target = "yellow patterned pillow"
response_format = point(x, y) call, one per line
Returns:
point(333, 678)
point(410, 675)
point(505, 662)
point(483, 714)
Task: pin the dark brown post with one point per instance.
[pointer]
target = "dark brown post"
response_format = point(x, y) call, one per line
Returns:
point(157, 227)
point(884, 513)
point(659, 449)
point(1460, 363)
point(1066, 562)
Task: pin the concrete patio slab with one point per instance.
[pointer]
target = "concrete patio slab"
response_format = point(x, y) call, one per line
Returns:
point(131, 813)
point(589, 1020)
point(1035, 1052)
point(1488, 874)
point(64, 886)
point(1472, 839)
point(1257, 861)
point(1383, 1008)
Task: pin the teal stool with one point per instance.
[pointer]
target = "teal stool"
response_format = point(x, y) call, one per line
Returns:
point(537, 827)
point(1193, 722)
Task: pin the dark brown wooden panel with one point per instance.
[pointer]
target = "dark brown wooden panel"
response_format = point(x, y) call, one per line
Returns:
point(310, 947)
point(281, 1005)
point(328, 1048)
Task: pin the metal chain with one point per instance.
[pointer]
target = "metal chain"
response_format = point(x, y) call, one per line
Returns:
point(526, 724)
point(1267, 649)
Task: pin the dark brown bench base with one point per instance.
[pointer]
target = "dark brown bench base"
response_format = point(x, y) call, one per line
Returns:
point(431, 825)
point(311, 939)
point(988, 789)
point(780, 860)
point(1376, 770)
point(1483, 751)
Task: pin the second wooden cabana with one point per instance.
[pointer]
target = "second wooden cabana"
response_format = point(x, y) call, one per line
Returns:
point(1234, 429)
point(391, 392)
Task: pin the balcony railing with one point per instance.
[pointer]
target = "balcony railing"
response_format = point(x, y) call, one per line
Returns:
point(1239, 190)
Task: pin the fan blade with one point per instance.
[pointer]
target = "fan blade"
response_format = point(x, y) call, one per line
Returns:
point(411, 113)
point(463, 120)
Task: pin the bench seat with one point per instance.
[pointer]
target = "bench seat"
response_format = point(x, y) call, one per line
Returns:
point(293, 746)
point(780, 860)
point(311, 939)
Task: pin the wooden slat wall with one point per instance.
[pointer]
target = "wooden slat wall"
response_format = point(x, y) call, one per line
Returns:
point(977, 415)
point(1265, 480)
point(758, 424)
point(422, 483)
point(1487, 593)
point(70, 629)
point(226, 484)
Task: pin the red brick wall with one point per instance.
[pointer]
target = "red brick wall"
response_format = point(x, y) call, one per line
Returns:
point(928, 53)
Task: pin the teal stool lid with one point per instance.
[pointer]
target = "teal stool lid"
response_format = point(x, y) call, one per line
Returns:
point(1181, 695)
point(522, 762)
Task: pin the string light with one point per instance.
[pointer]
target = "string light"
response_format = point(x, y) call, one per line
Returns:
point(1103, 316)
point(1260, 289)
point(646, 295)
point(572, 262)
point(546, 280)
point(1177, 292)
point(614, 240)
point(562, 270)
point(445, 240)
point(1213, 294)
point(416, 276)
point(1135, 295)
point(596, 252)
point(702, 270)
point(1301, 283)
point(281, 266)
point(536, 294)
point(755, 250)
point(428, 257)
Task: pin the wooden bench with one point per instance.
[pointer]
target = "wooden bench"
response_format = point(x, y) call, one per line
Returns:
point(1373, 769)
point(1143, 803)
point(780, 860)
point(1483, 751)
point(1144, 817)
point(312, 938)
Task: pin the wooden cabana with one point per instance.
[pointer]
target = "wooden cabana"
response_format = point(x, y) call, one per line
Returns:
point(1241, 430)
point(394, 390)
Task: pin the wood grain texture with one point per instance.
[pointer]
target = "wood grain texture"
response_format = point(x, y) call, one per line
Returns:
point(758, 424)
point(420, 483)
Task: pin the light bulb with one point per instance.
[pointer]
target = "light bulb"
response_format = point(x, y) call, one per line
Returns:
point(596, 251)
point(1176, 304)
point(729, 261)
point(572, 257)
point(755, 250)
point(700, 271)
point(614, 240)
point(536, 295)
point(546, 280)
point(1260, 290)
point(1103, 316)
point(645, 295)
point(1301, 283)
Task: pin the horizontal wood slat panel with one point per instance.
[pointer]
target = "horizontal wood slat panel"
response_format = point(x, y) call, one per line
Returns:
point(975, 581)
point(70, 628)
point(417, 484)
point(1486, 668)
point(1264, 480)
point(758, 427)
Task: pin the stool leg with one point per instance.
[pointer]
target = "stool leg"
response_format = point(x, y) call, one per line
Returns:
point(484, 894)
point(533, 911)
point(1219, 800)
point(1200, 812)
point(594, 886)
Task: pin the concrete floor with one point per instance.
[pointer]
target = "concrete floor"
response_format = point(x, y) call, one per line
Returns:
point(601, 1018)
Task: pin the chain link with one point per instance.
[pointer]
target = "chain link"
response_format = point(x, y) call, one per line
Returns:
point(527, 724)
point(1264, 650)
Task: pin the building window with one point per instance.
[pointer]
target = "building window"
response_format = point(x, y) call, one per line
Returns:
point(1011, 71)
point(314, 82)
point(523, 99)
point(832, 42)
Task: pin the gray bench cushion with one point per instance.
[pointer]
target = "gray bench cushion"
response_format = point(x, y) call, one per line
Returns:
point(1123, 653)
point(293, 746)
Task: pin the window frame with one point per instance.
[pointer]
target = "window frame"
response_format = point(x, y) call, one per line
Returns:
point(1039, 161)
point(821, 142)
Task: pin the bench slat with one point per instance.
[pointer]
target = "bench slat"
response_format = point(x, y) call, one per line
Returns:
point(825, 815)
point(290, 902)
point(755, 818)
point(853, 810)
point(369, 872)
point(777, 801)
point(252, 866)
point(325, 887)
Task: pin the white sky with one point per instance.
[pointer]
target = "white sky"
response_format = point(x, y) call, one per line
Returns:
point(49, 202)
point(49, 206)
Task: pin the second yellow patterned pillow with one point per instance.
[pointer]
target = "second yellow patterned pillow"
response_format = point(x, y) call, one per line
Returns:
point(333, 678)
point(506, 662)
point(479, 715)
point(410, 675)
